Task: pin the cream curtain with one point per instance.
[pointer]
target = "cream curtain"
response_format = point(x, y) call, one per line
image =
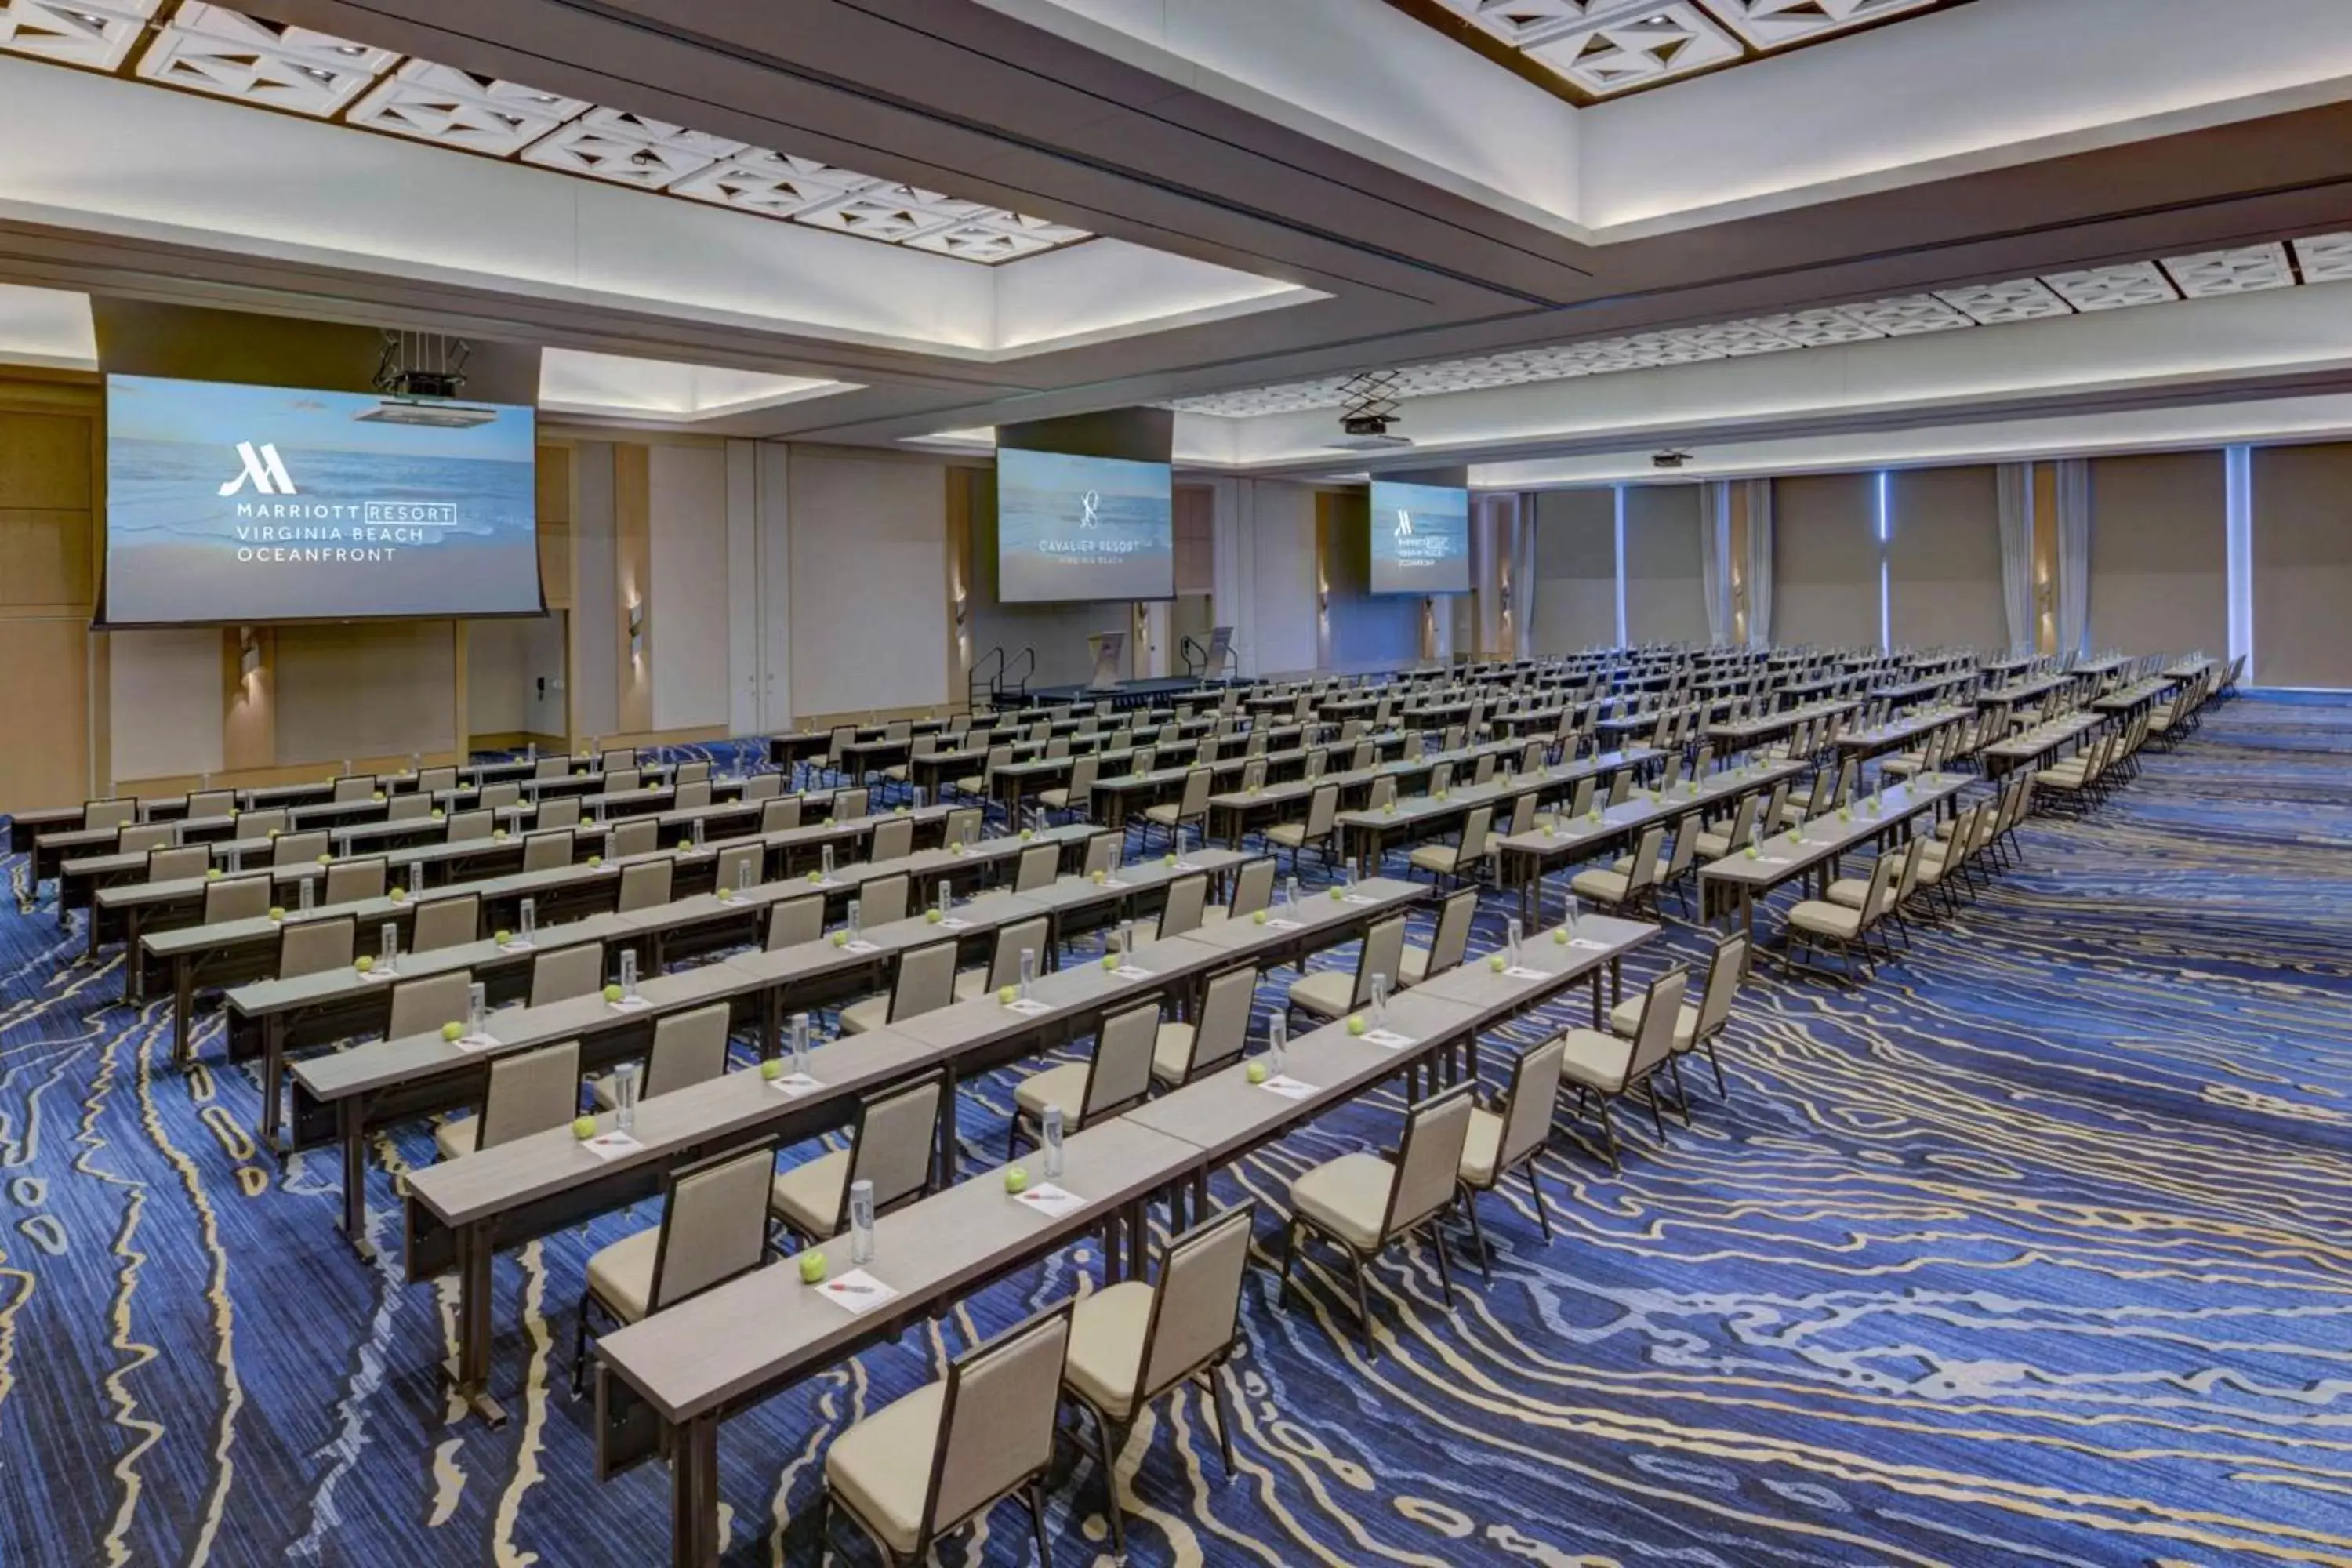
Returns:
point(1759, 563)
point(2017, 554)
point(2074, 556)
point(1715, 560)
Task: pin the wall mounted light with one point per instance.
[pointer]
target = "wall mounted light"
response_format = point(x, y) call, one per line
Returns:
point(636, 631)
point(248, 655)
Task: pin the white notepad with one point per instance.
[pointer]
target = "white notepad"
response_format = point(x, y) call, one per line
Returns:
point(1050, 1200)
point(794, 1085)
point(610, 1146)
point(1287, 1087)
point(1387, 1039)
point(857, 1292)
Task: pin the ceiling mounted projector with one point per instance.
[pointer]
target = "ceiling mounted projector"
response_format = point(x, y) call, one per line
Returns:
point(422, 375)
point(1669, 459)
point(434, 413)
point(1370, 409)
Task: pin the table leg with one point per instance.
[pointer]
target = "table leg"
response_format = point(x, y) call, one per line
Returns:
point(1596, 1000)
point(474, 1255)
point(693, 1493)
point(1748, 919)
point(183, 997)
point(772, 1007)
point(353, 1136)
point(273, 1081)
point(1616, 980)
point(947, 1172)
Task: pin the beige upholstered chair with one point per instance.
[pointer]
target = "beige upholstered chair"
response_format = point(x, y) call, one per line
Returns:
point(1038, 866)
point(688, 1048)
point(791, 921)
point(312, 946)
point(1252, 891)
point(618, 757)
point(964, 826)
point(762, 786)
point(690, 773)
point(622, 781)
point(1364, 1203)
point(1102, 854)
point(644, 885)
point(713, 1227)
point(297, 848)
point(1328, 994)
point(1508, 1135)
point(1447, 947)
point(116, 813)
point(891, 1146)
point(849, 805)
point(1004, 966)
point(882, 899)
point(207, 804)
point(498, 798)
point(1697, 1027)
point(734, 861)
point(976, 784)
point(567, 972)
point(925, 982)
point(636, 837)
point(1215, 1038)
point(1716, 845)
point(408, 808)
point(554, 813)
point(1461, 860)
point(987, 1429)
point(1132, 1343)
point(1816, 923)
point(449, 922)
point(354, 881)
point(433, 781)
point(1186, 906)
point(529, 1091)
point(422, 1005)
point(177, 862)
point(238, 898)
point(1318, 827)
point(553, 768)
point(549, 851)
point(467, 826)
point(1076, 795)
point(1603, 1068)
point(1117, 1075)
point(893, 839)
point(358, 787)
point(780, 815)
point(1632, 889)
point(257, 825)
point(690, 796)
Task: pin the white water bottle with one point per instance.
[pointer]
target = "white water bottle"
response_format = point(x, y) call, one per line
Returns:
point(391, 959)
point(1028, 970)
point(628, 974)
point(854, 907)
point(1278, 1035)
point(1051, 1141)
point(799, 1042)
point(861, 1223)
point(526, 918)
point(1512, 934)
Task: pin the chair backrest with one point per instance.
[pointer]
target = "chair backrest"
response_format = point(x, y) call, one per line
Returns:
point(1364, 756)
point(1687, 832)
point(207, 803)
point(732, 861)
point(1195, 801)
point(1253, 888)
point(1254, 774)
point(690, 796)
point(1743, 819)
point(644, 885)
point(315, 946)
point(1452, 941)
point(1196, 1300)
point(849, 805)
point(964, 826)
point(237, 899)
point(791, 921)
point(1523, 816)
point(358, 787)
point(1653, 1041)
point(553, 814)
point(171, 864)
point(260, 824)
point(422, 1005)
point(1882, 875)
point(896, 1133)
point(714, 1224)
point(618, 757)
point(1083, 773)
point(553, 768)
point(1038, 867)
point(1323, 806)
point(1005, 968)
point(881, 900)
point(762, 786)
point(567, 972)
point(1429, 1163)
point(1120, 1072)
point(1528, 1104)
point(688, 1048)
point(893, 838)
point(297, 848)
point(1621, 786)
point(1440, 778)
point(409, 809)
point(698, 770)
point(1581, 802)
point(1383, 794)
point(529, 1092)
point(1188, 897)
point(1645, 869)
point(1222, 1029)
point(1474, 838)
point(926, 980)
point(547, 851)
point(450, 921)
point(780, 815)
point(432, 780)
point(1102, 853)
point(639, 836)
point(1381, 953)
point(465, 826)
point(996, 1421)
point(1772, 807)
point(114, 812)
point(1483, 771)
point(1724, 973)
point(618, 781)
point(351, 881)
point(843, 735)
point(499, 796)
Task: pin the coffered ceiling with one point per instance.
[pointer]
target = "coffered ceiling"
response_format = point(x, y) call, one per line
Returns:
point(1590, 50)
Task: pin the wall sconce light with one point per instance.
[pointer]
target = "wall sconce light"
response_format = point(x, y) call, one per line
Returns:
point(248, 655)
point(636, 631)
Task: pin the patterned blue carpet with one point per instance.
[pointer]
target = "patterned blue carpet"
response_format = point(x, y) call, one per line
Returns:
point(2038, 1251)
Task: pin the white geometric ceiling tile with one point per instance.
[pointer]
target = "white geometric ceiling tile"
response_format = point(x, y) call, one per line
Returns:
point(2113, 287)
point(226, 53)
point(1678, 346)
point(1816, 328)
point(879, 214)
point(1907, 315)
point(1769, 24)
point(457, 108)
point(2242, 271)
point(580, 148)
point(2324, 257)
point(1043, 229)
point(2017, 299)
point(980, 242)
point(770, 182)
point(660, 133)
point(1737, 340)
point(1520, 23)
point(98, 33)
point(1653, 42)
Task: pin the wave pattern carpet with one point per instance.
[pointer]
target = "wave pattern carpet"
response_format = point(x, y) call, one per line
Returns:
point(2037, 1251)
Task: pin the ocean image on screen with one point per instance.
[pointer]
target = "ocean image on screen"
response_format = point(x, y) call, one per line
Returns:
point(1421, 538)
point(1082, 528)
point(250, 503)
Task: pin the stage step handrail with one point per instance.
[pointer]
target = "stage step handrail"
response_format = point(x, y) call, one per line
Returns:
point(981, 678)
point(1005, 678)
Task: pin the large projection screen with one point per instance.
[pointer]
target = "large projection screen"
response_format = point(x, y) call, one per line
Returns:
point(1421, 538)
point(238, 504)
point(1070, 528)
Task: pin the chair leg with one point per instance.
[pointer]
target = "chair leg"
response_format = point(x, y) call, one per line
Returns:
point(1289, 1251)
point(1364, 1305)
point(1609, 1126)
point(1682, 1095)
point(1717, 1063)
point(1437, 1245)
point(1657, 1117)
point(579, 1344)
point(1035, 1496)
point(1478, 1238)
point(1224, 1416)
point(1111, 1444)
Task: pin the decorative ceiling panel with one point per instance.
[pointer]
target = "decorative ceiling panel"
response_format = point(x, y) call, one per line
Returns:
point(96, 34)
point(1775, 24)
point(2239, 271)
point(2323, 258)
point(1655, 43)
point(203, 48)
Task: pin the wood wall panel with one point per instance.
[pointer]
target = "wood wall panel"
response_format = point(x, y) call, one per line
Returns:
point(51, 493)
point(1943, 559)
point(1666, 595)
point(2159, 552)
point(46, 759)
point(1826, 560)
point(2303, 567)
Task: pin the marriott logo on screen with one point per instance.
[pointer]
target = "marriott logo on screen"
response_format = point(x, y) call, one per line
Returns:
point(264, 468)
point(1404, 524)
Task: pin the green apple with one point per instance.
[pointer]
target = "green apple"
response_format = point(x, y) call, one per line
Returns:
point(503, 937)
point(595, 860)
point(900, 811)
point(812, 1264)
point(1357, 1026)
point(1594, 815)
point(816, 876)
point(1005, 994)
point(583, 1128)
point(725, 894)
point(212, 873)
point(277, 911)
point(612, 993)
point(1392, 808)
point(1443, 792)
point(498, 832)
point(1754, 851)
point(841, 939)
point(377, 796)
point(1495, 963)
point(1110, 961)
point(684, 845)
point(653, 786)
point(1259, 917)
point(932, 917)
point(772, 1069)
point(439, 815)
point(363, 964)
point(1027, 834)
point(1560, 936)
point(1169, 859)
point(1099, 877)
point(452, 1031)
point(324, 858)
point(1255, 1072)
point(399, 894)
point(273, 832)
point(829, 821)
point(1015, 1179)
